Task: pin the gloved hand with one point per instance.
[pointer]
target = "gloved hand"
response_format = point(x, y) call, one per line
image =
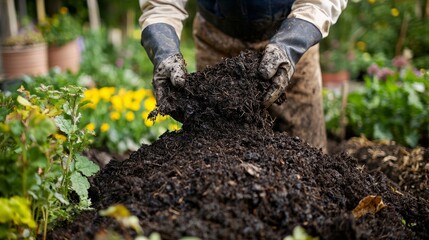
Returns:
point(162, 46)
point(294, 37)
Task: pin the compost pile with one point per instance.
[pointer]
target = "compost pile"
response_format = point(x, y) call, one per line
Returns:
point(227, 175)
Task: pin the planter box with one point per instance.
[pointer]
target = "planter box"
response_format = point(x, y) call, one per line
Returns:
point(66, 57)
point(24, 60)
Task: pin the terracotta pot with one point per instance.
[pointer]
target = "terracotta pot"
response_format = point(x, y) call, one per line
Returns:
point(66, 57)
point(335, 79)
point(24, 60)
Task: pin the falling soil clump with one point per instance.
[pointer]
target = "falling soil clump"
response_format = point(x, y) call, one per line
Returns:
point(225, 94)
point(227, 175)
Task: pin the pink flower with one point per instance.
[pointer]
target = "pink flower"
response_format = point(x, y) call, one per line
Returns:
point(400, 62)
point(384, 73)
point(373, 69)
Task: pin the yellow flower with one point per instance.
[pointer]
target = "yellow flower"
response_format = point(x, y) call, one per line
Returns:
point(139, 95)
point(371, 1)
point(104, 127)
point(394, 12)
point(129, 116)
point(93, 96)
point(145, 115)
point(60, 137)
point(91, 104)
point(122, 92)
point(150, 104)
point(64, 10)
point(90, 126)
point(4, 127)
point(173, 127)
point(142, 92)
point(130, 101)
point(149, 93)
point(135, 105)
point(361, 45)
point(147, 122)
point(117, 103)
point(115, 115)
point(106, 93)
point(161, 118)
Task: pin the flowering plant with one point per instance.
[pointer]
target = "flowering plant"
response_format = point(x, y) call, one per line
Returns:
point(119, 118)
point(392, 105)
point(60, 28)
point(41, 164)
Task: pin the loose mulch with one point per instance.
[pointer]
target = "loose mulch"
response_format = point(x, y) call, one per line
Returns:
point(227, 175)
point(409, 168)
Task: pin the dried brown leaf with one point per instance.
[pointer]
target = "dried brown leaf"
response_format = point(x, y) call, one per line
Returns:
point(369, 204)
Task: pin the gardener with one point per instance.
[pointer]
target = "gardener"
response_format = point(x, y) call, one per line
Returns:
point(287, 30)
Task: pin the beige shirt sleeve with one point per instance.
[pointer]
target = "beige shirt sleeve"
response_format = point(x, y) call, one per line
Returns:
point(171, 12)
point(321, 13)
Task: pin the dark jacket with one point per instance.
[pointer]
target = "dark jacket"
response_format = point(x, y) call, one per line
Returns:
point(251, 20)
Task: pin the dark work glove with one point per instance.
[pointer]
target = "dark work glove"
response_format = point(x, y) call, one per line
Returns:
point(294, 37)
point(162, 46)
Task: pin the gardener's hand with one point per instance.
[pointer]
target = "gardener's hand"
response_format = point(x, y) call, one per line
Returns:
point(171, 70)
point(162, 46)
point(276, 67)
point(294, 37)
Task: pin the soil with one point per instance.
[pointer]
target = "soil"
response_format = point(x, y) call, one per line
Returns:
point(227, 175)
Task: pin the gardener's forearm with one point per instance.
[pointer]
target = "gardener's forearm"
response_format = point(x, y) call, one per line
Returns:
point(321, 13)
point(171, 12)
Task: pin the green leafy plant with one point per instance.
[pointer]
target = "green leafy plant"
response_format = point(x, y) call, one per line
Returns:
point(55, 79)
point(392, 109)
point(15, 211)
point(40, 161)
point(60, 28)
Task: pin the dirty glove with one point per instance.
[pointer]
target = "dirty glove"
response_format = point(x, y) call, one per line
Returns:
point(162, 46)
point(294, 37)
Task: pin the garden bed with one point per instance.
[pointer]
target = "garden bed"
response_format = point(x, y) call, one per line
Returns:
point(227, 175)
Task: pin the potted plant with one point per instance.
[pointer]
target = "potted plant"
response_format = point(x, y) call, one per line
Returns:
point(61, 31)
point(335, 64)
point(24, 54)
